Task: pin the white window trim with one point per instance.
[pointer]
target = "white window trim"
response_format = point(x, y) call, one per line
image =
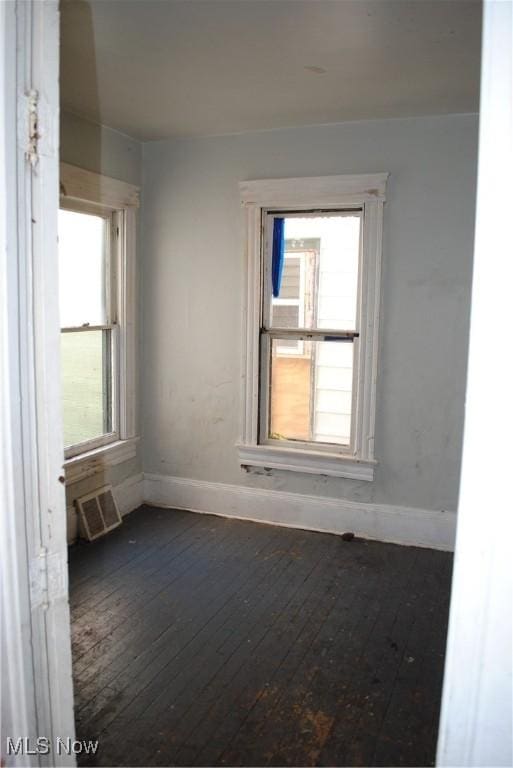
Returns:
point(89, 463)
point(366, 191)
point(85, 189)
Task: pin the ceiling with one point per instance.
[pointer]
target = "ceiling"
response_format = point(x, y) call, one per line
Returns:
point(160, 68)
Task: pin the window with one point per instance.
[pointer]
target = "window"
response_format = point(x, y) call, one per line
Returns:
point(96, 304)
point(314, 253)
point(310, 400)
point(89, 343)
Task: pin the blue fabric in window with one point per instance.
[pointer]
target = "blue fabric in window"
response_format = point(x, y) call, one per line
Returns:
point(278, 254)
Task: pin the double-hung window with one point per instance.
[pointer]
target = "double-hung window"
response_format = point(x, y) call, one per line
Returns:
point(89, 328)
point(97, 312)
point(313, 288)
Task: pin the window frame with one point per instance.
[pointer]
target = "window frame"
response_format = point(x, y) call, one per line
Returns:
point(113, 256)
point(268, 333)
point(365, 192)
point(87, 192)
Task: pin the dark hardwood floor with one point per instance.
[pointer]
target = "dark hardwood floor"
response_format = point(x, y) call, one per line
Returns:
point(204, 641)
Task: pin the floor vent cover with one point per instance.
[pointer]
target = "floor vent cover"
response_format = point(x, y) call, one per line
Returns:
point(98, 513)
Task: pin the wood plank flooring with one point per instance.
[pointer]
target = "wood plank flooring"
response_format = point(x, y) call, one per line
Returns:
point(205, 641)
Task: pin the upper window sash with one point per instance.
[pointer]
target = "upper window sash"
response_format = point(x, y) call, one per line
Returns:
point(267, 298)
point(110, 263)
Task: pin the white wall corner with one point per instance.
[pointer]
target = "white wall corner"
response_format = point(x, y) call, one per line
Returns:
point(129, 493)
point(434, 529)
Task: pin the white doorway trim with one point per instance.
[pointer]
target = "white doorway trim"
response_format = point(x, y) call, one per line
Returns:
point(476, 722)
point(37, 695)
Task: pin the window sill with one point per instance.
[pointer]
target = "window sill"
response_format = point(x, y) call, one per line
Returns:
point(316, 463)
point(90, 463)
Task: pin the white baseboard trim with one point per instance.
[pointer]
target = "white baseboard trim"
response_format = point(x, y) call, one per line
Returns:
point(434, 529)
point(128, 495)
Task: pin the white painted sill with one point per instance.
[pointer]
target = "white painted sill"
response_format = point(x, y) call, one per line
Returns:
point(310, 462)
point(90, 463)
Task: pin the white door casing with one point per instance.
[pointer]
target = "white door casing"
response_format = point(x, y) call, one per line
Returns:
point(37, 696)
point(476, 720)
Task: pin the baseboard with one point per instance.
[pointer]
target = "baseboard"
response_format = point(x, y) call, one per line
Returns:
point(434, 529)
point(411, 526)
point(128, 495)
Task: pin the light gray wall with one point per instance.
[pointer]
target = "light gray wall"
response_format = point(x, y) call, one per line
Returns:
point(102, 150)
point(99, 149)
point(192, 297)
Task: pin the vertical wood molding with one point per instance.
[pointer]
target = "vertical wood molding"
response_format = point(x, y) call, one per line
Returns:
point(18, 700)
point(476, 719)
point(33, 546)
point(370, 291)
point(251, 320)
point(128, 307)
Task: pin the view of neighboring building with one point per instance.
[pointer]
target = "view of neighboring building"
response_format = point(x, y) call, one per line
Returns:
point(311, 380)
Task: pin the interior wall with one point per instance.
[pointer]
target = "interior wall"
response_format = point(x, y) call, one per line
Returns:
point(102, 150)
point(193, 258)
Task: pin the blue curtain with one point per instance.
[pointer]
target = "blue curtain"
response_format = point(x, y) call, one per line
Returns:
point(278, 254)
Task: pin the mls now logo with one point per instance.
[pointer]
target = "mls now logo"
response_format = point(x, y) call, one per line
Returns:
point(43, 746)
point(23, 746)
point(70, 746)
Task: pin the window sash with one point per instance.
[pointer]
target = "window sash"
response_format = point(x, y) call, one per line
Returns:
point(108, 437)
point(269, 332)
point(110, 267)
point(268, 217)
point(264, 421)
point(110, 292)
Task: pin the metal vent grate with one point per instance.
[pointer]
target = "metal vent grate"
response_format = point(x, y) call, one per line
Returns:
point(98, 513)
point(92, 518)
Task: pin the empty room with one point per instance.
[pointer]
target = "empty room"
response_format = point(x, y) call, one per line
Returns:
point(255, 388)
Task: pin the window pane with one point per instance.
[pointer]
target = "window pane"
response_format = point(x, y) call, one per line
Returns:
point(82, 269)
point(291, 278)
point(320, 272)
point(286, 316)
point(86, 365)
point(311, 391)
